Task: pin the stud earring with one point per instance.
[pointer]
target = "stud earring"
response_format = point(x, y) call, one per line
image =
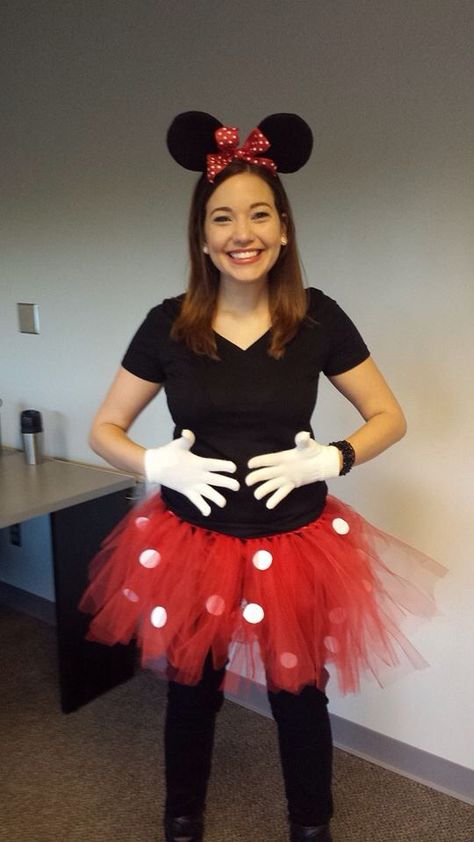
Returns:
point(205, 249)
point(284, 241)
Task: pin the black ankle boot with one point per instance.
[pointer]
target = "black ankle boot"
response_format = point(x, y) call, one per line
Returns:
point(302, 833)
point(184, 828)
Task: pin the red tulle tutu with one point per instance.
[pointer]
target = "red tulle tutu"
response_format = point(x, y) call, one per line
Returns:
point(285, 606)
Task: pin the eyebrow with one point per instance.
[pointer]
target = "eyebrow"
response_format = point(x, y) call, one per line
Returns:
point(254, 205)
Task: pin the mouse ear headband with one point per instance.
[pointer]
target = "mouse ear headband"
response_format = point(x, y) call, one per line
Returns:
point(199, 142)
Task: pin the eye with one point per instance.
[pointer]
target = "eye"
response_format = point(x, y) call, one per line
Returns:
point(221, 218)
point(260, 215)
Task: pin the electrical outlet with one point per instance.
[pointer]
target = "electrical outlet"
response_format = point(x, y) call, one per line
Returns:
point(15, 534)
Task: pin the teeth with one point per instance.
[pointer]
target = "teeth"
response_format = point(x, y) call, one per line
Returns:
point(243, 255)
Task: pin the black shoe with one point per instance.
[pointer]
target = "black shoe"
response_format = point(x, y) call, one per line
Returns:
point(301, 833)
point(184, 828)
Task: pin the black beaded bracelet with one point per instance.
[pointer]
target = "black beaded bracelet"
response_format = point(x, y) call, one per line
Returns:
point(348, 455)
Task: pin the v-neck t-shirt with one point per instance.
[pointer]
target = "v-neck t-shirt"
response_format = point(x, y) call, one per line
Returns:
point(246, 404)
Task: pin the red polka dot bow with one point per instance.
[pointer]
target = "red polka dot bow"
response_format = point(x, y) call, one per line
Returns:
point(227, 139)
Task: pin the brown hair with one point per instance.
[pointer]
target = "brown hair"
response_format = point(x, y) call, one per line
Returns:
point(287, 296)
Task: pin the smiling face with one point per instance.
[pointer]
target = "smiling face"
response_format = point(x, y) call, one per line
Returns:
point(242, 229)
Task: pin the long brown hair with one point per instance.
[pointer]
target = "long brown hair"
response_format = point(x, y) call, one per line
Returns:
point(287, 296)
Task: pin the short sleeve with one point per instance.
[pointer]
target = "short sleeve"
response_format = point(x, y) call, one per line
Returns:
point(345, 347)
point(144, 355)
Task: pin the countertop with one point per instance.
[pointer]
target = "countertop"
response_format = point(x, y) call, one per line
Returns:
point(28, 491)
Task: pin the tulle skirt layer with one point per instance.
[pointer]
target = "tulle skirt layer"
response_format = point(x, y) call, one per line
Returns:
point(278, 609)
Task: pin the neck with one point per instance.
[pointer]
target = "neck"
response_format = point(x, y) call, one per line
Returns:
point(242, 298)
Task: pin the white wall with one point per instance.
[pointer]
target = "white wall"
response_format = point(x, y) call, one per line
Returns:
point(93, 218)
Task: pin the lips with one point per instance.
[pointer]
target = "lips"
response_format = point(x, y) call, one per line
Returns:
point(244, 256)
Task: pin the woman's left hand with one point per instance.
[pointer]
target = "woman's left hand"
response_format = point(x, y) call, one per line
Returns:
point(281, 472)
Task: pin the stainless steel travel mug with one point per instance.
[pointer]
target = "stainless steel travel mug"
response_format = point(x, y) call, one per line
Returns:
point(32, 434)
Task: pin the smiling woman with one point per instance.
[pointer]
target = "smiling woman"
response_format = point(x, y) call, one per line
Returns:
point(243, 232)
point(242, 568)
point(221, 230)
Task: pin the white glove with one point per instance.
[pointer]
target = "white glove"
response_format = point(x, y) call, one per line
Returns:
point(282, 472)
point(174, 466)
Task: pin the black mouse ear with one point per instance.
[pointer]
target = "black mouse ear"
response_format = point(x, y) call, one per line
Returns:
point(191, 137)
point(290, 138)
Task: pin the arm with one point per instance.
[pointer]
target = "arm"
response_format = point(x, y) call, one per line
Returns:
point(126, 398)
point(172, 465)
point(310, 461)
point(366, 389)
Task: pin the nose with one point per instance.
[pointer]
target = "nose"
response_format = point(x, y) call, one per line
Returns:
point(242, 232)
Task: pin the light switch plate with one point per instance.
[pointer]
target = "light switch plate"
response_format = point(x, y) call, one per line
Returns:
point(28, 318)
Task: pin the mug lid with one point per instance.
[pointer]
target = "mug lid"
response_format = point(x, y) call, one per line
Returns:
point(31, 421)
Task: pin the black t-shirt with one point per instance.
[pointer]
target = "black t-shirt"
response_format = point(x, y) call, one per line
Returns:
point(245, 404)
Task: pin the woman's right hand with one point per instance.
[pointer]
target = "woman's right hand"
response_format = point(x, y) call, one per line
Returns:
point(174, 466)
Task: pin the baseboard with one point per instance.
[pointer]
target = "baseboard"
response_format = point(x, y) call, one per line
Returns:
point(421, 766)
point(28, 603)
point(414, 763)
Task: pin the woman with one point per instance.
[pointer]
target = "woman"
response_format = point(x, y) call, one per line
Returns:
point(243, 561)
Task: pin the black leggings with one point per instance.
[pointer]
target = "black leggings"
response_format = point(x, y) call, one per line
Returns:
point(304, 736)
